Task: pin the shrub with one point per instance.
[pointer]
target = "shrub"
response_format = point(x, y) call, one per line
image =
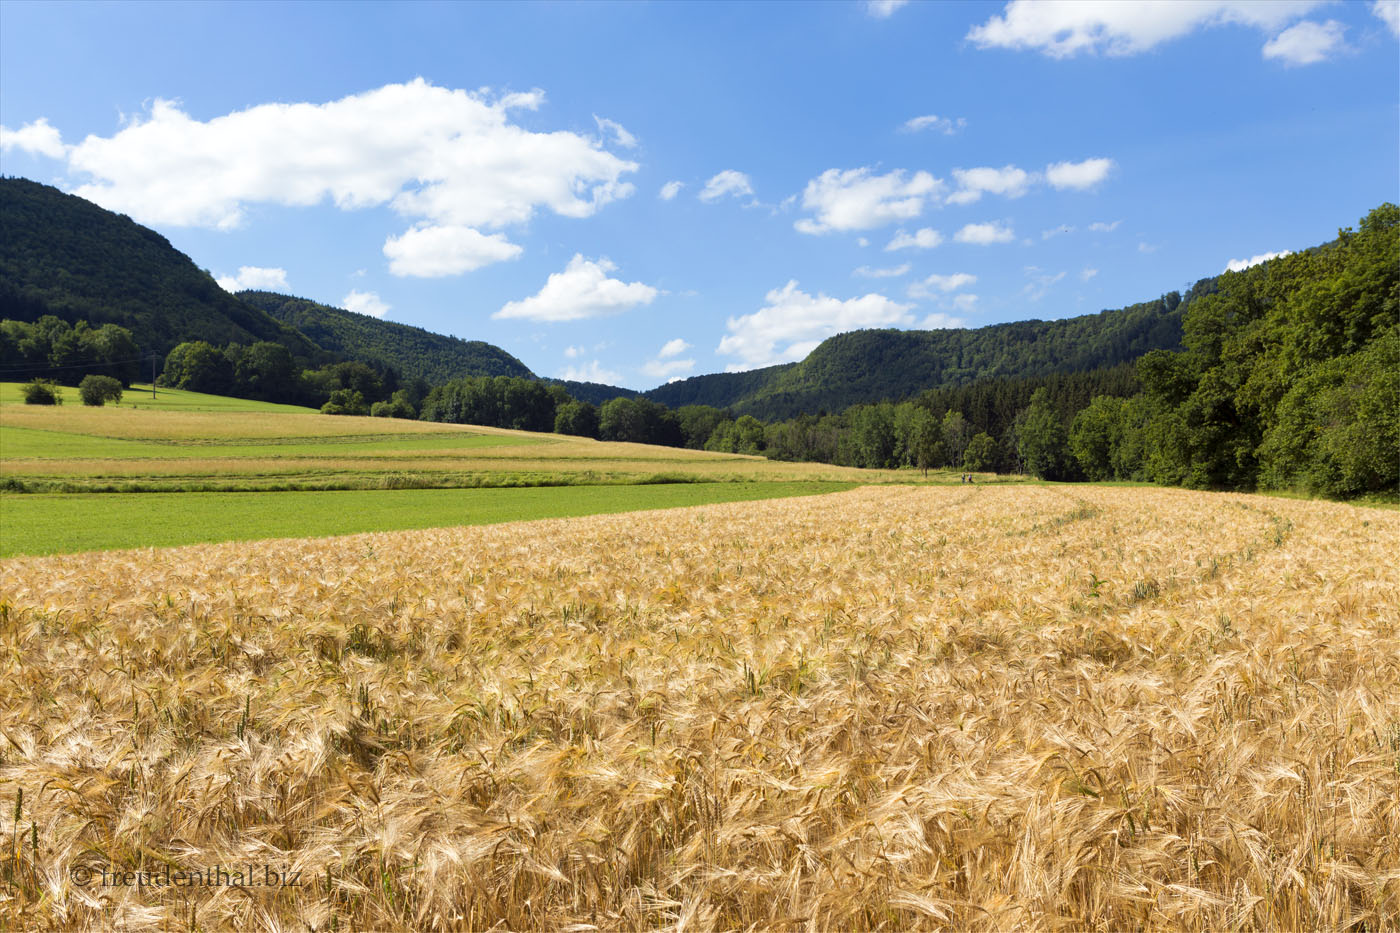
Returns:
point(345, 402)
point(42, 392)
point(99, 390)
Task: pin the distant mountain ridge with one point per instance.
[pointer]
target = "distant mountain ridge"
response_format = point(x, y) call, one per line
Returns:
point(874, 365)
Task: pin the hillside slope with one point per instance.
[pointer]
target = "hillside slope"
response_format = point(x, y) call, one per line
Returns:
point(65, 256)
point(414, 352)
point(872, 365)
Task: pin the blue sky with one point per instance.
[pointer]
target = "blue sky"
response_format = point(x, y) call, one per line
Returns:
point(636, 192)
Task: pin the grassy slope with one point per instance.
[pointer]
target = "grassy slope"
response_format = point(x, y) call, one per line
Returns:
point(36, 525)
point(140, 397)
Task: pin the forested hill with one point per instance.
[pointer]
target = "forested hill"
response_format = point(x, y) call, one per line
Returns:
point(872, 365)
point(65, 256)
point(415, 353)
point(594, 393)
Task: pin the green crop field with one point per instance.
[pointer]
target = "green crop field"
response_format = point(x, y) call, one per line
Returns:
point(51, 524)
point(190, 468)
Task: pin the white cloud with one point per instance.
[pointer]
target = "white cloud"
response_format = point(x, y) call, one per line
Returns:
point(256, 277)
point(450, 161)
point(893, 273)
point(1065, 28)
point(1087, 274)
point(1040, 283)
point(1146, 248)
point(37, 138)
point(673, 348)
point(364, 303)
point(941, 283)
point(1306, 43)
point(856, 199)
point(965, 302)
point(883, 9)
point(573, 353)
point(619, 134)
point(945, 125)
point(727, 182)
point(793, 322)
point(923, 238)
point(582, 290)
point(667, 369)
point(1239, 265)
point(1057, 231)
point(1009, 181)
point(670, 190)
point(431, 251)
point(940, 321)
point(985, 234)
point(1103, 227)
point(1389, 13)
point(1080, 176)
point(593, 372)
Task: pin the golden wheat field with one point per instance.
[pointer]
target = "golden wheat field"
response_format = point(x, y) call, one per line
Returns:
point(987, 708)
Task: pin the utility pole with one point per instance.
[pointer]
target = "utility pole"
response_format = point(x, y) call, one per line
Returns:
point(153, 377)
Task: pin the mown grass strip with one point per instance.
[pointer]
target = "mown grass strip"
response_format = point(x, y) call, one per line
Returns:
point(60, 524)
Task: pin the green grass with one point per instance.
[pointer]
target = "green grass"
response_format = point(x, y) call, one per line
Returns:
point(139, 396)
point(58, 524)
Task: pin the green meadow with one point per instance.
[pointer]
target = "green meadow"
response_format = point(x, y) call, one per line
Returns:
point(184, 468)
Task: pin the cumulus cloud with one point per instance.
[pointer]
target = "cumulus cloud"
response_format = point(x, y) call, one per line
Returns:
point(1239, 265)
point(945, 125)
point(429, 251)
point(858, 199)
point(1103, 227)
point(883, 9)
point(923, 238)
point(365, 303)
point(573, 353)
point(450, 161)
point(670, 190)
point(1306, 43)
point(582, 290)
point(726, 183)
point(665, 365)
point(36, 138)
point(793, 322)
point(1057, 231)
point(1080, 176)
point(1008, 181)
point(616, 130)
point(593, 372)
point(940, 321)
point(985, 234)
point(1086, 274)
point(672, 348)
point(868, 272)
point(935, 284)
point(1146, 248)
point(1389, 13)
point(255, 277)
point(1065, 28)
